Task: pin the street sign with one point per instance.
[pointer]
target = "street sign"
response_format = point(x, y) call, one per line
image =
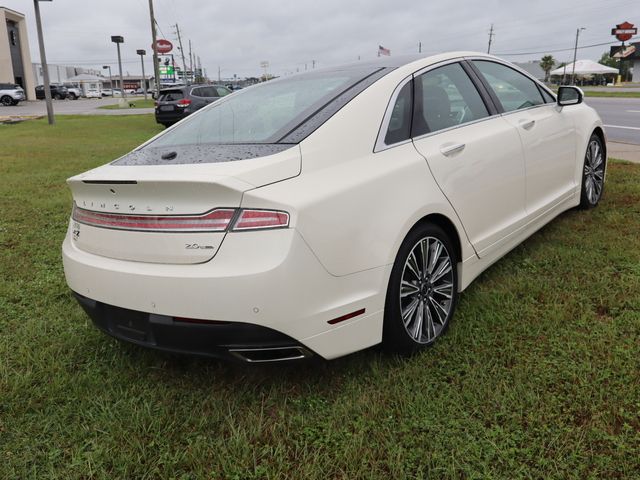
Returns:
point(166, 70)
point(163, 46)
point(624, 31)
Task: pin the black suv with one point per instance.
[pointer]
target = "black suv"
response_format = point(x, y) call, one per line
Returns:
point(175, 103)
point(59, 92)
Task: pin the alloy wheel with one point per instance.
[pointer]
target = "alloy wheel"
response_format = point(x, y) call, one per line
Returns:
point(594, 172)
point(426, 290)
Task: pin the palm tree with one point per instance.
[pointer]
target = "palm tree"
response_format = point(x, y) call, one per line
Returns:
point(547, 63)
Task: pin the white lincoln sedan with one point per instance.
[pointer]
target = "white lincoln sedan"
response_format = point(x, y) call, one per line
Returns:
point(326, 212)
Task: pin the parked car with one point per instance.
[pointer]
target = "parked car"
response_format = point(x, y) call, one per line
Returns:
point(329, 211)
point(107, 92)
point(11, 94)
point(58, 91)
point(176, 103)
point(73, 93)
point(116, 92)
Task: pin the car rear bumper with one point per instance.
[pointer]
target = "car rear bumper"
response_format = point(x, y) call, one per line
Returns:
point(226, 340)
point(268, 279)
point(170, 117)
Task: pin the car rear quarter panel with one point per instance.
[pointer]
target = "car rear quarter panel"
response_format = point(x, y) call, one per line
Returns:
point(352, 206)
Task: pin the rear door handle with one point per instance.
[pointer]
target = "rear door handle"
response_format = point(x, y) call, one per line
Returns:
point(449, 150)
point(527, 124)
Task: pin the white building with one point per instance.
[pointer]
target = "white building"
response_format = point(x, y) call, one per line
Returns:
point(61, 73)
point(91, 85)
point(15, 59)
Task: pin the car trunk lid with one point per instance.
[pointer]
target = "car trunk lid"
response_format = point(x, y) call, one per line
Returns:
point(126, 210)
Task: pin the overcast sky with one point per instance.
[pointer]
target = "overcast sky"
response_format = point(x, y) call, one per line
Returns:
point(237, 35)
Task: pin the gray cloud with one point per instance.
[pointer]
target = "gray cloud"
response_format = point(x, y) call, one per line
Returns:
point(236, 36)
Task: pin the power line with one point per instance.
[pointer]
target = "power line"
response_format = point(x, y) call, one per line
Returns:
point(555, 51)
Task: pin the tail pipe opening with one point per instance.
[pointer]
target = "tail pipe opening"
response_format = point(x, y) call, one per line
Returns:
point(270, 354)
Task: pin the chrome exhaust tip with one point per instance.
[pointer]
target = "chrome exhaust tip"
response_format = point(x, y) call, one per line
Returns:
point(270, 354)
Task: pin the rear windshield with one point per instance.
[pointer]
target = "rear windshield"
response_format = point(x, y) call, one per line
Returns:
point(171, 95)
point(264, 113)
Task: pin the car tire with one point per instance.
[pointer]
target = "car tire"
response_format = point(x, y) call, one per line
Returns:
point(593, 170)
point(422, 292)
point(15, 102)
point(73, 96)
point(6, 100)
point(57, 96)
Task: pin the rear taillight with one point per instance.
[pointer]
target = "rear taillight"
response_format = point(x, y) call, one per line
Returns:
point(214, 221)
point(184, 103)
point(259, 219)
point(218, 220)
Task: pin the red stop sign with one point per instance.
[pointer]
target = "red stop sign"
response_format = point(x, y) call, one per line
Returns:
point(163, 46)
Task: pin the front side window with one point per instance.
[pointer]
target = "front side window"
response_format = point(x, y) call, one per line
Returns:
point(445, 97)
point(548, 98)
point(513, 89)
point(264, 113)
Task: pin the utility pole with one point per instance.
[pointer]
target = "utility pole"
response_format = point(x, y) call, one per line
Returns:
point(491, 35)
point(184, 64)
point(575, 54)
point(156, 63)
point(419, 47)
point(191, 61)
point(45, 68)
point(313, 64)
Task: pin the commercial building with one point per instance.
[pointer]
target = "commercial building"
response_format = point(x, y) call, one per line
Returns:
point(15, 59)
point(61, 73)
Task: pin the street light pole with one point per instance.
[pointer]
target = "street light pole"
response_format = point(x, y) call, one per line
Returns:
point(156, 64)
point(575, 54)
point(104, 67)
point(43, 61)
point(118, 39)
point(142, 53)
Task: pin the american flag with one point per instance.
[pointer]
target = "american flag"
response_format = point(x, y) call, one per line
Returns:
point(383, 51)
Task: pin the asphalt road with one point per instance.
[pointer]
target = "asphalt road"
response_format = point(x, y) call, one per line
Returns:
point(621, 117)
point(82, 106)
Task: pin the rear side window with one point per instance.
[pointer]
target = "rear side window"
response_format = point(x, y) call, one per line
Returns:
point(171, 96)
point(513, 89)
point(445, 97)
point(204, 92)
point(264, 113)
point(399, 128)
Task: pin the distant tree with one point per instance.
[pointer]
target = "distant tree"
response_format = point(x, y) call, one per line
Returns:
point(547, 63)
point(605, 59)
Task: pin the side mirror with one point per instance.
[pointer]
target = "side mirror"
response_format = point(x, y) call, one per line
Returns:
point(569, 96)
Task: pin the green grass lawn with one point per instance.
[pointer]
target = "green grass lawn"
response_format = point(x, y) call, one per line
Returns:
point(538, 376)
point(597, 93)
point(137, 102)
point(602, 93)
